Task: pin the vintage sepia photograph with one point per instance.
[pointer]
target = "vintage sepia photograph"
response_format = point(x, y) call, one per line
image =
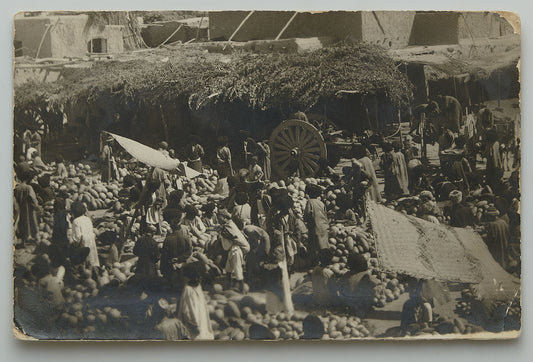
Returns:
point(266, 175)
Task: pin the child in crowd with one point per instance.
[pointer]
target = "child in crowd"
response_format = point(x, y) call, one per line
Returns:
point(193, 310)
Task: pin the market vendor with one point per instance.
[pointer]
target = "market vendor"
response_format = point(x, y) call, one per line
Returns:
point(195, 225)
point(282, 251)
point(259, 250)
point(428, 208)
point(194, 153)
point(222, 189)
point(359, 185)
point(209, 216)
point(460, 214)
point(236, 245)
point(147, 250)
point(367, 167)
point(107, 161)
point(224, 155)
point(177, 248)
point(392, 186)
point(497, 238)
point(192, 310)
point(494, 170)
point(83, 232)
point(316, 219)
point(356, 288)
point(176, 202)
point(26, 223)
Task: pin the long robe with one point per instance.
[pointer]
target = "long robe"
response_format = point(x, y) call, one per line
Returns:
point(235, 243)
point(27, 225)
point(368, 168)
point(265, 158)
point(494, 169)
point(194, 314)
point(177, 247)
point(399, 168)
point(107, 168)
point(316, 218)
point(278, 294)
point(224, 159)
point(392, 186)
point(83, 233)
point(498, 239)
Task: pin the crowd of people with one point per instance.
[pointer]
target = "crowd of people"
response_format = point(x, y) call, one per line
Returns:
point(246, 229)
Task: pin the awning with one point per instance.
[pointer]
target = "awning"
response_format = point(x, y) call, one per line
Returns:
point(409, 245)
point(153, 157)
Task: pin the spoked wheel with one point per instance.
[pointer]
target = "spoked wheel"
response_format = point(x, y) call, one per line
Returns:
point(297, 148)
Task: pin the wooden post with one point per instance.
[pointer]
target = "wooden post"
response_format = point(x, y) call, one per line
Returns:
point(171, 35)
point(164, 121)
point(400, 122)
point(499, 91)
point(48, 26)
point(376, 110)
point(422, 126)
point(238, 28)
point(199, 25)
point(286, 25)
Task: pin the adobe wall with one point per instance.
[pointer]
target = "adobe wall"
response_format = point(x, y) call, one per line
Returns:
point(435, 28)
point(481, 24)
point(264, 25)
point(29, 31)
point(67, 37)
point(390, 29)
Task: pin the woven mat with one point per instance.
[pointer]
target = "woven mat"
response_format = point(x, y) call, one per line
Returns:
point(412, 246)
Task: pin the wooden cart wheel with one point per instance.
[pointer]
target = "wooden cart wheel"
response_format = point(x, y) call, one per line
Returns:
point(296, 149)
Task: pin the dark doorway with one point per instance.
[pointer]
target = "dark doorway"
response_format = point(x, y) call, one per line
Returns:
point(97, 45)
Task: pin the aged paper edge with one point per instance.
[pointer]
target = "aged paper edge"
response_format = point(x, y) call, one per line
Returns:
point(514, 20)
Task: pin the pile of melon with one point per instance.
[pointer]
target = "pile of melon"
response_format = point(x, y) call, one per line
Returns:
point(95, 196)
point(85, 310)
point(343, 327)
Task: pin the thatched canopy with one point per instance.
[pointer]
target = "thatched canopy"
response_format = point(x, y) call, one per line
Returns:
point(264, 81)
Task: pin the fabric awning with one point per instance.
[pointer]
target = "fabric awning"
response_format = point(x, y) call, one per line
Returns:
point(153, 157)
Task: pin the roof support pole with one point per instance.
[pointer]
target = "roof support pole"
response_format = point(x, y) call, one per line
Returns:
point(171, 35)
point(238, 28)
point(286, 25)
point(48, 26)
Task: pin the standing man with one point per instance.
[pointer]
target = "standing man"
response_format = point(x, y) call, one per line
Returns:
point(224, 155)
point(494, 170)
point(400, 168)
point(392, 187)
point(194, 153)
point(106, 159)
